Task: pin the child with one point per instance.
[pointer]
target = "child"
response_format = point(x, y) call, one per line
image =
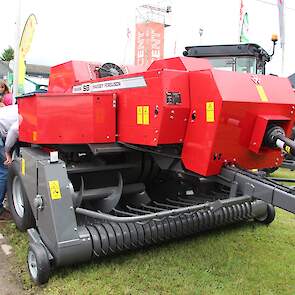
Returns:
point(5, 95)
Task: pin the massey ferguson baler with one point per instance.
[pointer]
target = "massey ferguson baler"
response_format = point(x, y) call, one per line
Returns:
point(115, 161)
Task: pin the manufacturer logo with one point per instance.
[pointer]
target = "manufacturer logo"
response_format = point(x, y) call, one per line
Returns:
point(255, 79)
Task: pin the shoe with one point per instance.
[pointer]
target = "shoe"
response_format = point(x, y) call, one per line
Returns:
point(4, 215)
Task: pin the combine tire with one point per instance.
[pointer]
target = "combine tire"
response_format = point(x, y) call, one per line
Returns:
point(269, 215)
point(19, 205)
point(38, 264)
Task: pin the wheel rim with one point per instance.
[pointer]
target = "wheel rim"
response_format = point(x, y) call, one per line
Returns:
point(32, 262)
point(17, 196)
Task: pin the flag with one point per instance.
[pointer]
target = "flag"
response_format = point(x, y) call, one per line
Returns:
point(244, 24)
point(245, 29)
point(24, 47)
point(241, 11)
point(281, 6)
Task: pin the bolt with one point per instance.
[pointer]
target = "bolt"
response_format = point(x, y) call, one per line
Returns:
point(292, 112)
point(155, 139)
point(254, 143)
point(185, 119)
point(171, 117)
point(71, 208)
point(180, 139)
point(293, 107)
point(75, 229)
point(108, 137)
point(156, 131)
point(172, 111)
point(63, 166)
point(68, 186)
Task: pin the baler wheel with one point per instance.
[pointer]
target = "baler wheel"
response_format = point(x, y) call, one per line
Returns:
point(18, 201)
point(269, 216)
point(38, 264)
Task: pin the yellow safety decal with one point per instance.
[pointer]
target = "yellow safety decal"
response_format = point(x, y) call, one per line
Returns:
point(287, 149)
point(210, 112)
point(23, 167)
point(54, 189)
point(261, 93)
point(143, 115)
point(139, 114)
point(146, 115)
point(34, 135)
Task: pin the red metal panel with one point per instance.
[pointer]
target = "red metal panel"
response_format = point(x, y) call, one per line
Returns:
point(64, 76)
point(181, 64)
point(260, 125)
point(201, 131)
point(68, 118)
point(167, 123)
point(238, 105)
point(235, 86)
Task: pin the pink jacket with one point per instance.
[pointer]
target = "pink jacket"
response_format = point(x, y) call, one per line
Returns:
point(7, 99)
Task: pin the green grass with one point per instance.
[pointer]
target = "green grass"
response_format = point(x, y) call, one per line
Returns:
point(242, 259)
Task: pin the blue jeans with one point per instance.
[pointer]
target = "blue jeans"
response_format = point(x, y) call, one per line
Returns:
point(3, 174)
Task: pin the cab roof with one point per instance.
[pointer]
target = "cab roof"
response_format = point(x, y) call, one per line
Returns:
point(248, 49)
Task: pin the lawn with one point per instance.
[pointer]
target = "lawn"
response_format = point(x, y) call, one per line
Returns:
point(241, 259)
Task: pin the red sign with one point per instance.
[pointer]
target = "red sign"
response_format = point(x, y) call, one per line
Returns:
point(149, 43)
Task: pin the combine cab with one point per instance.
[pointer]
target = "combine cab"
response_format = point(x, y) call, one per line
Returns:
point(122, 161)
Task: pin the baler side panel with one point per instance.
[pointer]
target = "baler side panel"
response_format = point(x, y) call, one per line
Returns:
point(243, 87)
point(28, 111)
point(240, 102)
point(145, 118)
point(68, 119)
point(205, 108)
point(237, 125)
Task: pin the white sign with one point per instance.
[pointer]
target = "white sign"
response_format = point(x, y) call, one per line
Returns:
point(134, 82)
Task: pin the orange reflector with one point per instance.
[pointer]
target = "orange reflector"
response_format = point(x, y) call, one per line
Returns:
point(34, 135)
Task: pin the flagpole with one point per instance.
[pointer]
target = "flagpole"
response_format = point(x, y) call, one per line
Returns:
point(283, 60)
point(16, 51)
point(282, 36)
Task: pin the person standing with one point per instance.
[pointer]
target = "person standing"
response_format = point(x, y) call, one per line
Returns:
point(5, 95)
point(9, 123)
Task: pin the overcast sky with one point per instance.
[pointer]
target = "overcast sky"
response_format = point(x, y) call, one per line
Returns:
point(96, 30)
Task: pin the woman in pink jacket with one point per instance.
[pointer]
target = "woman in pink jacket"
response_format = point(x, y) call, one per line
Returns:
point(5, 95)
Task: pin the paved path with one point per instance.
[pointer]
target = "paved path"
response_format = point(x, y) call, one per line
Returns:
point(9, 285)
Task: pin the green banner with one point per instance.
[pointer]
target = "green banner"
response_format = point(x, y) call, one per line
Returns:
point(245, 29)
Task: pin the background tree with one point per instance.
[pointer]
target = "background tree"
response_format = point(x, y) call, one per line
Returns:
point(8, 54)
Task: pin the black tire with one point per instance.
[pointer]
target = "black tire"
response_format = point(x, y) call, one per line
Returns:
point(38, 264)
point(269, 217)
point(18, 202)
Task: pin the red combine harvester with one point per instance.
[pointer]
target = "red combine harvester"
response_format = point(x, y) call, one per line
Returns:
point(115, 161)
